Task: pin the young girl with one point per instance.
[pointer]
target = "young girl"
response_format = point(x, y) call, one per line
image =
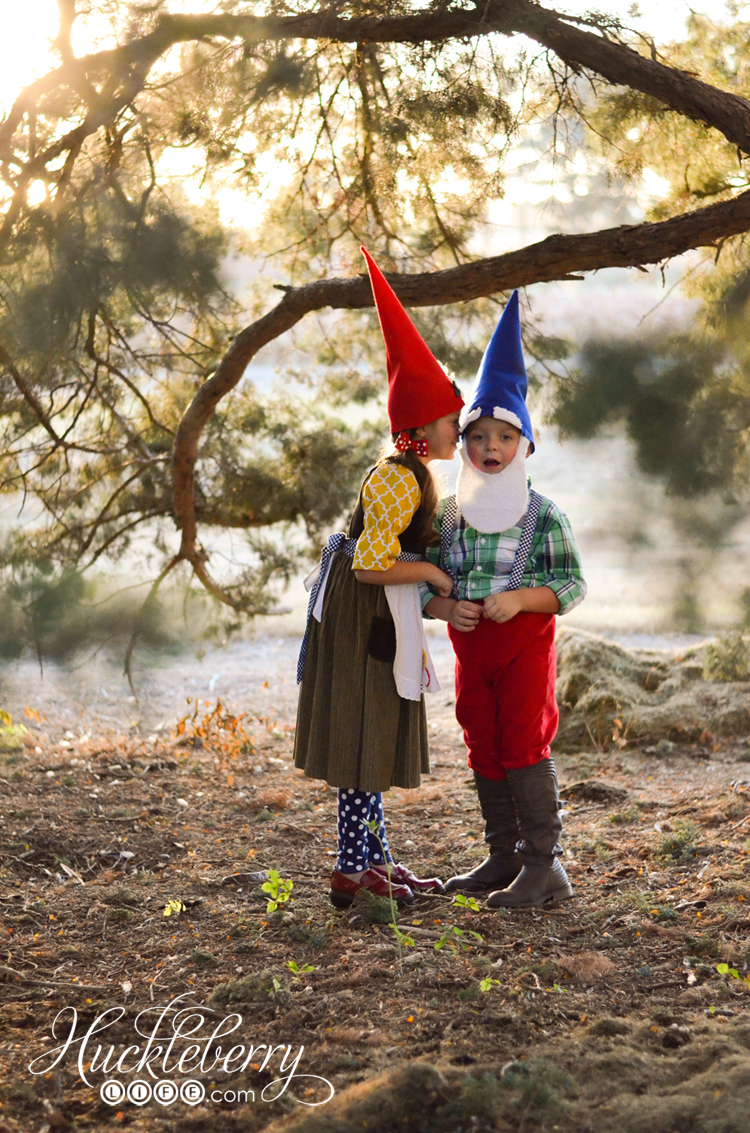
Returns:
point(361, 722)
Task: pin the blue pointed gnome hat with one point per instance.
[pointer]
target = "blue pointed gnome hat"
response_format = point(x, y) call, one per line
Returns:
point(501, 381)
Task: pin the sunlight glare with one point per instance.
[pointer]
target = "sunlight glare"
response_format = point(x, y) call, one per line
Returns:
point(655, 185)
point(36, 193)
point(28, 31)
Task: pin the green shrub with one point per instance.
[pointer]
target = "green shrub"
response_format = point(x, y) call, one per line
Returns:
point(374, 909)
point(727, 659)
point(543, 1088)
point(121, 896)
point(624, 817)
point(11, 735)
point(470, 993)
point(263, 987)
point(703, 945)
point(677, 846)
point(479, 1098)
point(204, 959)
point(609, 1027)
point(120, 915)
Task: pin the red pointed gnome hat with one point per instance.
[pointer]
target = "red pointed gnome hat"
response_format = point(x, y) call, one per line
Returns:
point(419, 390)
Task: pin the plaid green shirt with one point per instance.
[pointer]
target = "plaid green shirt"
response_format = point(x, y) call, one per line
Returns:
point(481, 563)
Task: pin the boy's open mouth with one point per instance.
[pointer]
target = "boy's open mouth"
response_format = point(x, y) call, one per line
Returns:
point(492, 463)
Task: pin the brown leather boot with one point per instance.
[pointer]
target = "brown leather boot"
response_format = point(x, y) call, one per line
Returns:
point(500, 834)
point(542, 879)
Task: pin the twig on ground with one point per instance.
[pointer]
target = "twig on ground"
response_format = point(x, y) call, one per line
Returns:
point(293, 826)
point(12, 974)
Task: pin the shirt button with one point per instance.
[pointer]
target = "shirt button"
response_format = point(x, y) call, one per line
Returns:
point(483, 541)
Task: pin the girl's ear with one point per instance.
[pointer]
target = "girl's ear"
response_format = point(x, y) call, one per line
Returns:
point(420, 432)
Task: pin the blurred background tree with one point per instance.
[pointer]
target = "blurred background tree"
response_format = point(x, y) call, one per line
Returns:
point(122, 334)
point(685, 399)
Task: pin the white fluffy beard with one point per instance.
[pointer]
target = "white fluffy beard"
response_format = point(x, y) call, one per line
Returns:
point(495, 501)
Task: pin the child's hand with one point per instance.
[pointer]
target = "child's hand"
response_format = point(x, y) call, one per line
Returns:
point(464, 616)
point(441, 582)
point(502, 607)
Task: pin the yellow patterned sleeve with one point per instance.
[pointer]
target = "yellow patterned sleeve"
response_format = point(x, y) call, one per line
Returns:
point(389, 498)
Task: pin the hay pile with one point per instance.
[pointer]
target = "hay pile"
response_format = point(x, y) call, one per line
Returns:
point(610, 696)
point(615, 1077)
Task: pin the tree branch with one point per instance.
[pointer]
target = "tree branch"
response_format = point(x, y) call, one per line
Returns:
point(559, 257)
point(622, 66)
point(24, 388)
point(67, 10)
point(615, 62)
point(108, 81)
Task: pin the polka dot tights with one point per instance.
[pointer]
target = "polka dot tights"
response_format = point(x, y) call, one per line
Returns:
point(359, 847)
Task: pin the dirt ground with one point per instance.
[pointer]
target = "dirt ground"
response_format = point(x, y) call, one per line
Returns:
point(624, 1009)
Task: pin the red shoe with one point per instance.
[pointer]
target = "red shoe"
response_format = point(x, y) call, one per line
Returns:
point(344, 889)
point(403, 875)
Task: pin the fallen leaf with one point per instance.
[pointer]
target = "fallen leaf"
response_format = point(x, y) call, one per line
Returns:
point(586, 967)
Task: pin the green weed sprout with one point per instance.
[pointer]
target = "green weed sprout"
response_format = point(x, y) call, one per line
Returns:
point(403, 938)
point(725, 970)
point(466, 902)
point(296, 971)
point(279, 890)
point(487, 984)
point(455, 938)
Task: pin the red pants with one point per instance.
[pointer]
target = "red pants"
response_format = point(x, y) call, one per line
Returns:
point(505, 692)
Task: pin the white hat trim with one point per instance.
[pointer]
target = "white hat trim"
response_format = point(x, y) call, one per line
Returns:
point(507, 415)
point(498, 413)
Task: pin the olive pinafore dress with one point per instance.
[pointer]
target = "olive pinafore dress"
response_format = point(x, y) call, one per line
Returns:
point(353, 729)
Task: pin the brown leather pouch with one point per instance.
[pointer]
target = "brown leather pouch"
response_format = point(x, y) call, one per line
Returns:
point(382, 641)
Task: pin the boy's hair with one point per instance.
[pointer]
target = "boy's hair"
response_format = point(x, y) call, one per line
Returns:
point(424, 517)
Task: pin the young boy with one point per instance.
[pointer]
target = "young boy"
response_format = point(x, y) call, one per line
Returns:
point(515, 565)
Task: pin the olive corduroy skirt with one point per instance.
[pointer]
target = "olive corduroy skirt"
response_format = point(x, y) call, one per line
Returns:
point(353, 729)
